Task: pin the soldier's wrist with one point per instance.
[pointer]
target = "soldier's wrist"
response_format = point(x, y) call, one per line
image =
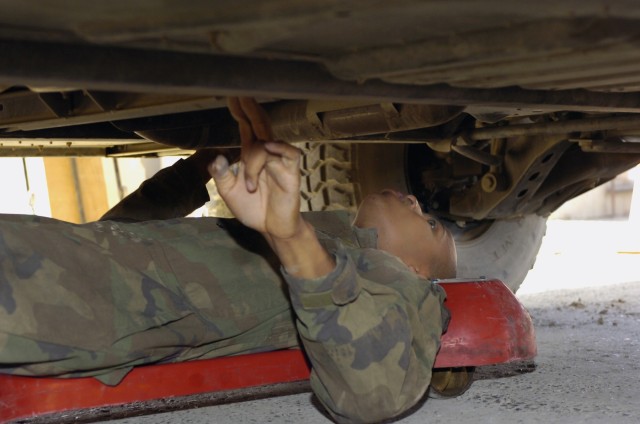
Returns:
point(302, 255)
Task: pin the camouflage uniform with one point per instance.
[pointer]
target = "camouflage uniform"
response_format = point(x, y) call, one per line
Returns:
point(100, 298)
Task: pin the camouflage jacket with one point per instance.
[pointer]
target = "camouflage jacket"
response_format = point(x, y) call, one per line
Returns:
point(99, 298)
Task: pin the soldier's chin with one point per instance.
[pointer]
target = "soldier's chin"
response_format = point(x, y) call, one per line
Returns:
point(369, 200)
point(394, 193)
point(370, 209)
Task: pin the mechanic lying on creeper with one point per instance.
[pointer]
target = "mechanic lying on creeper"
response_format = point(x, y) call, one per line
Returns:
point(99, 298)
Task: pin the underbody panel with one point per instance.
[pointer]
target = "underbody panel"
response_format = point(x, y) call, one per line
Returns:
point(488, 88)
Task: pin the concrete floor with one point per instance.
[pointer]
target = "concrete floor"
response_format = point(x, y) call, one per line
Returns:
point(585, 303)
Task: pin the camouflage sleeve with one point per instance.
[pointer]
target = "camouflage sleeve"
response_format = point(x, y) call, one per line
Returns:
point(97, 299)
point(371, 330)
point(173, 192)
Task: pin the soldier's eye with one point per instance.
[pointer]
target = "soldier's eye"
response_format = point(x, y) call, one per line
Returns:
point(433, 223)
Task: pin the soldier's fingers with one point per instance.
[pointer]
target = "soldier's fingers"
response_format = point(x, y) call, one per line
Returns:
point(254, 128)
point(290, 155)
point(258, 117)
point(233, 103)
point(254, 160)
point(247, 136)
point(224, 178)
point(286, 179)
point(250, 151)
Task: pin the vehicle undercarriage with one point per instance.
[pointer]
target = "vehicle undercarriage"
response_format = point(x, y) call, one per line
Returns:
point(492, 113)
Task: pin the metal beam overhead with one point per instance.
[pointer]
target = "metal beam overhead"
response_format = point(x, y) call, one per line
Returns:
point(147, 71)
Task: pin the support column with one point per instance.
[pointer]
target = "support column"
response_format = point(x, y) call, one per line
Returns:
point(634, 212)
point(77, 188)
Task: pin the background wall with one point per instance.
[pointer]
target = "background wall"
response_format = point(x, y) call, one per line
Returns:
point(611, 200)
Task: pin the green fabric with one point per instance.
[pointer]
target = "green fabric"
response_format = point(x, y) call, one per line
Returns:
point(91, 299)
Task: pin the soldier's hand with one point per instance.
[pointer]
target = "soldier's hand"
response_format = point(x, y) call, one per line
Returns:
point(264, 193)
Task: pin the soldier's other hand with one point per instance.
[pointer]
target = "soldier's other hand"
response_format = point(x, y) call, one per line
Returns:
point(264, 193)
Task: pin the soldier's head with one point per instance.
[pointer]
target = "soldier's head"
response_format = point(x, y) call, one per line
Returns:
point(419, 240)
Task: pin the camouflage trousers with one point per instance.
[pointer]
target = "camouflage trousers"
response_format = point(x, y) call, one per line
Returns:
point(100, 298)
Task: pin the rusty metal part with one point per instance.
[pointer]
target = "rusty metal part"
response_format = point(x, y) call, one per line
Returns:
point(26, 110)
point(610, 146)
point(193, 130)
point(80, 150)
point(315, 120)
point(41, 151)
point(619, 126)
point(145, 149)
point(292, 122)
point(626, 122)
point(527, 162)
point(85, 140)
point(477, 155)
point(489, 182)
